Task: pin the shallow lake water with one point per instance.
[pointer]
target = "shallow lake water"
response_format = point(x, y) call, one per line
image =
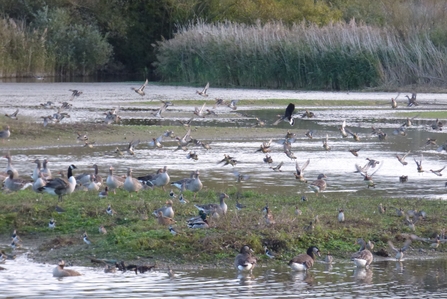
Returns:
point(424, 278)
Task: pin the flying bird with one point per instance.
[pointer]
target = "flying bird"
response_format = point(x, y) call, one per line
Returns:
point(288, 115)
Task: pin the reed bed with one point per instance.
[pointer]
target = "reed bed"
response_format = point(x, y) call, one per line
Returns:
point(337, 56)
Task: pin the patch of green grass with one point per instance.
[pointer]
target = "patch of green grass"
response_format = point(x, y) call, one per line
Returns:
point(441, 114)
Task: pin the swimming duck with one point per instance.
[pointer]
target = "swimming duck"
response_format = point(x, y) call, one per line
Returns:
point(362, 258)
point(299, 174)
point(382, 136)
point(166, 210)
point(240, 177)
point(394, 102)
point(304, 261)
point(400, 251)
point(5, 134)
point(368, 179)
point(354, 135)
point(288, 115)
point(61, 186)
point(199, 221)
point(15, 184)
point(354, 151)
point(113, 181)
point(193, 156)
point(437, 125)
point(319, 185)
point(308, 114)
point(245, 261)
point(233, 104)
point(204, 90)
point(156, 142)
point(140, 90)
point(401, 159)
point(131, 184)
point(59, 271)
point(265, 147)
point(277, 167)
point(220, 208)
point(403, 178)
point(13, 115)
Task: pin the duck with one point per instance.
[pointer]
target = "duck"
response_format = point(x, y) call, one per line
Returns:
point(110, 269)
point(166, 210)
point(326, 144)
point(192, 184)
point(113, 181)
point(240, 177)
point(102, 230)
point(401, 159)
point(268, 217)
point(61, 186)
point(86, 239)
point(299, 174)
point(354, 135)
point(381, 209)
point(245, 261)
point(59, 271)
point(5, 134)
point(277, 167)
point(220, 208)
point(368, 179)
point(268, 253)
point(419, 165)
point(412, 100)
point(110, 211)
point(75, 93)
point(319, 185)
point(362, 258)
point(233, 104)
point(438, 171)
point(288, 115)
point(400, 251)
point(13, 115)
point(156, 142)
point(200, 221)
point(10, 167)
point(163, 220)
point(140, 90)
point(15, 184)
point(131, 184)
point(268, 159)
point(240, 206)
point(393, 103)
point(305, 261)
point(308, 114)
point(200, 111)
point(204, 90)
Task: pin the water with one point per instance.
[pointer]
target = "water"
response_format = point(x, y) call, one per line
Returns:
point(385, 279)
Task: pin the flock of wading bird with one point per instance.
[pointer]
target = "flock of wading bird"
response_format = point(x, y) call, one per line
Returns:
point(43, 181)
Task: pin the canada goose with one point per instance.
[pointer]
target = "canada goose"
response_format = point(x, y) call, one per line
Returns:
point(299, 174)
point(245, 261)
point(131, 184)
point(10, 167)
point(363, 257)
point(13, 115)
point(166, 210)
point(304, 261)
point(288, 115)
point(61, 186)
point(15, 184)
point(204, 90)
point(319, 185)
point(140, 90)
point(5, 134)
point(59, 271)
point(220, 208)
point(113, 181)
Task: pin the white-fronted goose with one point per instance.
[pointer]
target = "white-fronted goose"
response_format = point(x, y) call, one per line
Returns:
point(167, 210)
point(98, 177)
point(5, 134)
point(39, 182)
point(15, 184)
point(192, 184)
point(304, 261)
point(113, 181)
point(10, 167)
point(161, 179)
point(245, 261)
point(59, 271)
point(220, 208)
point(131, 184)
point(61, 186)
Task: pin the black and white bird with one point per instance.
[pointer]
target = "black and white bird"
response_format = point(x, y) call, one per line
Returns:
point(172, 230)
point(85, 238)
point(61, 186)
point(288, 115)
point(268, 253)
point(52, 224)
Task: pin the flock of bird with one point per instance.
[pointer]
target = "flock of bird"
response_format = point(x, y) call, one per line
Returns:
point(43, 181)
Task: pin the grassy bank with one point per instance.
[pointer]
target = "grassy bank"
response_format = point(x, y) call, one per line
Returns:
point(333, 57)
point(135, 234)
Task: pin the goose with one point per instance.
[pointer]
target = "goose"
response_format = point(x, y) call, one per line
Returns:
point(299, 174)
point(166, 210)
point(37, 170)
point(140, 90)
point(400, 251)
point(5, 134)
point(113, 181)
point(93, 185)
point(220, 208)
point(370, 245)
point(15, 184)
point(59, 271)
point(13, 115)
point(319, 185)
point(61, 186)
point(163, 220)
point(288, 115)
point(98, 177)
point(245, 261)
point(304, 261)
point(362, 258)
point(393, 103)
point(204, 90)
point(39, 182)
point(161, 179)
point(185, 140)
point(75, 93)
point(192, 184)
point(131, 184)
point(10, 167)
point(329, 258)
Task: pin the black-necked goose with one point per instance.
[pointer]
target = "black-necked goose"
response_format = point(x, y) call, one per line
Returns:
point(10, 167)
point(15, 184)
point(113, 181)
point(140, 90)
point(131, 184)
point(59, 271)
point(61, 186)
point(245, 261)
point(5, 134)
point(304, 261)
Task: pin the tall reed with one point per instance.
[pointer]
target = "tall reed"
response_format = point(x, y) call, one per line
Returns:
point(337, 56)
